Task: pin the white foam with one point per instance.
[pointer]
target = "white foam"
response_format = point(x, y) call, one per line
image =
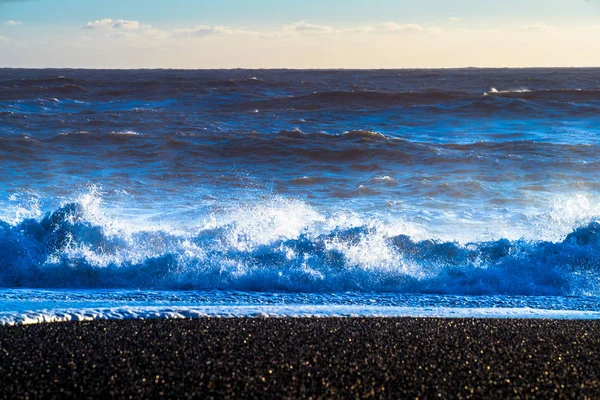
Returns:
point(21, 206)
point(261, 224)
point(125, 133)
point(282, 243)
point(282, 311)
point(565, 213)
point(494, 91)
point(385, 178)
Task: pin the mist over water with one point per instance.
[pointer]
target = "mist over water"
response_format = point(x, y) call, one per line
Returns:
point(410, 182)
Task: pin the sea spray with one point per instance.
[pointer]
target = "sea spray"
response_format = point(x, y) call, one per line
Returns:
point(286, 245)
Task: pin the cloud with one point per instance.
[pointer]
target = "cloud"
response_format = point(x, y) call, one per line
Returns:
point(305, 27)
point(205, 30)
point(134, 30)
point(388, 27)
point(130, 25)
point(12, 22)
point(305, 44)
point(135, 34)
point(394, 28)
point(538, 27)
point(455, 19)
point(301, 27)
point(110, 23)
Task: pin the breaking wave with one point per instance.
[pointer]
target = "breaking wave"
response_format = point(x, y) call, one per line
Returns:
point(287, 247)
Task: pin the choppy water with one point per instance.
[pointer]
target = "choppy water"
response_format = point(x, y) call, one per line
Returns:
point(409, 192)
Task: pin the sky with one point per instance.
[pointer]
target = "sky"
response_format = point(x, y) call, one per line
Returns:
point(299, 33)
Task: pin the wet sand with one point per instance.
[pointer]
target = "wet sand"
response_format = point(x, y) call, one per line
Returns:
point(303, 358)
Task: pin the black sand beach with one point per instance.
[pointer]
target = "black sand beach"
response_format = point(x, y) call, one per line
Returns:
point(303, 358)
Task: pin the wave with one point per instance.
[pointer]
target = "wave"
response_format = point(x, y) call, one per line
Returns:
point(364, 98)
point(359, 147)
point(496, 91)
point(125, 133)
point(439, 99)
point(132, 84)
point(40, 82)
point(287, 247)
point(547, 94)
point(240, 82)
point(362, 134)
point(69, 88)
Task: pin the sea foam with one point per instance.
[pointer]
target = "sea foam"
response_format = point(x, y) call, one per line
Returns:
point(285, 244)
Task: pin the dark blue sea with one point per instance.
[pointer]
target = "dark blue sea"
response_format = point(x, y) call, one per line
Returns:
point(168, 193)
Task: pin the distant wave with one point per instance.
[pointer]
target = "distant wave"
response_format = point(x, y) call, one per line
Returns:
point(547, 94)
point(125, 133)
point(69, 88)
point(496, 91)
point(362, 134)
point(317, 100)
point(343, 99)
point(287, 252)
point(278, 149)
point(49, 80)
point(250, 81)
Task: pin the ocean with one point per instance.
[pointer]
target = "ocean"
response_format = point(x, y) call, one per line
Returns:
point(175, 193)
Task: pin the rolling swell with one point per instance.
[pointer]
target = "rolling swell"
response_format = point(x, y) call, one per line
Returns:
point(476, 102)
point(339, 157)
point(319, 100)
point(69, 249)
point(592, 94)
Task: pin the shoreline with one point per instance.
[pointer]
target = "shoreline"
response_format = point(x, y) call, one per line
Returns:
point(63, 315)
point(303, 358)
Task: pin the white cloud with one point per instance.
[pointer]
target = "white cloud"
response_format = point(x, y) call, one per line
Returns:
point(455, 19)
point(130, 25)
point(305, 27)
point(135, 30)
point(99, 24)
point(324, 47)
point(199, 31)
point(301, 28)
point(538, 27)
point(12, 22)
point(205, 30)
point(394, 28)
point(110, 23)
point(124, 43)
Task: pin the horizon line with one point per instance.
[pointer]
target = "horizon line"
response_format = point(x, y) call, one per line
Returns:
point(295, 69)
